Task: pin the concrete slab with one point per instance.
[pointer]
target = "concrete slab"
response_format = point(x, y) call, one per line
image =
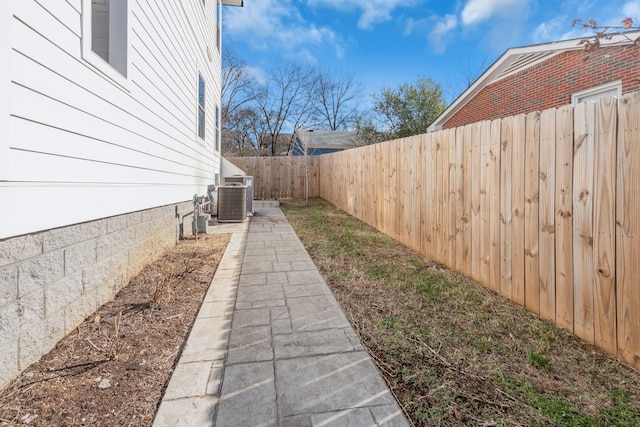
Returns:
point(248, 396)
point(250, 345)
point(302, 344)
point(252, 317)
point(316, 313)
point(260, 293)
point(329, 383)
point(189, 412)
point(207, 341)
point(188, 380)
point(304, 277)
point(298, 291)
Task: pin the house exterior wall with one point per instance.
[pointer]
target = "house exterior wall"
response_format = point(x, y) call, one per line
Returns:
point(94, 168)
point(551, 83)
point(85, 146)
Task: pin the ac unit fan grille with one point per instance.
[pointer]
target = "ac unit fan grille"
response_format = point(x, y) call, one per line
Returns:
point(232, 203)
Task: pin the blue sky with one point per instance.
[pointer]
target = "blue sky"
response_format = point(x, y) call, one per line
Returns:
point(388, 42)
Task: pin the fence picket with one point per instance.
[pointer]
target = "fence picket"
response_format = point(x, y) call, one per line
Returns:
point(604, 250)
point(583, 219)
point(547, 244)
point(506, 194)
point(564, 217)
point(531, 213)
point(628, 230)
point(475, 200)
point(495, 224)
point(517, 209)
point(452, 197)
point(485, 212)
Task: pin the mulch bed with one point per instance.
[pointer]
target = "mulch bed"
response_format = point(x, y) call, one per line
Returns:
point(112, 369)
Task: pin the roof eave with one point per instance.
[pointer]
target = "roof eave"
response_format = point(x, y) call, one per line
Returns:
point(239, 3)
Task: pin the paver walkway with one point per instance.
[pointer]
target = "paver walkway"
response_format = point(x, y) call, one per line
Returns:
point(271, 346)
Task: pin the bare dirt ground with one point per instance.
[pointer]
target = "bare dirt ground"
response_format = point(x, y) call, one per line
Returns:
point(112, 369)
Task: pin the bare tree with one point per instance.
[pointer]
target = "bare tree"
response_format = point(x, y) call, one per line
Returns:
point(237, 84)
point(603, 33)
point(285, 100)
point(239, 119)
point(337, 100)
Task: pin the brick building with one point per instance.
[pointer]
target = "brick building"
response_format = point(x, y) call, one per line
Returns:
point(543, 76)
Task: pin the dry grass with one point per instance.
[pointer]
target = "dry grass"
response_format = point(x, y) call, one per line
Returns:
point(113, 368)
point(454, 352)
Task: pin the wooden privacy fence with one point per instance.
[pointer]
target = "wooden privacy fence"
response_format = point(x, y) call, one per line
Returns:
point(279, 177)
point(543, 208)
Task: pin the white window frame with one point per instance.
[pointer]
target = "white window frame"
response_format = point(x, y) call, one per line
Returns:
point(218, 25)
point(92, 57)
point(597, 92)
point(201, 125)
point(217, 136)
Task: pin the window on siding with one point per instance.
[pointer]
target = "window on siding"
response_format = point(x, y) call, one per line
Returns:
point(105, 32)
point(201, 111)
point(218, 26)
point(598, 92)
point(217, 128)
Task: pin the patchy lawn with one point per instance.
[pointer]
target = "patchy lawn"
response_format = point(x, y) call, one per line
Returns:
point(453, 352)
point(113, 368)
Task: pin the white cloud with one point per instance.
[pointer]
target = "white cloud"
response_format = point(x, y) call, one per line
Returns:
point(257, 74)
point(372, 11)
point(477, 11)
point(275, 24)
point(555, 29)
point(441, 32)
point(631, 9)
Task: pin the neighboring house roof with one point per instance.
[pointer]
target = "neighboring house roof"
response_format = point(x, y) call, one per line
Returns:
point(517, 59)
point(328, 139)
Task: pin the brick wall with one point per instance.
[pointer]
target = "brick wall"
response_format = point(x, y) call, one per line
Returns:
point(551, 83)
point(52, 280)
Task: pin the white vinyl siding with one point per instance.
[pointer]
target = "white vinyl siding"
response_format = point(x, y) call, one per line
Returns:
point(84, 147)
point(6, 17)
point(201, 107)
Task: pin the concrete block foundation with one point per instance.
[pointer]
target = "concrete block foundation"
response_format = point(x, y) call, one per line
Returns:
point(52, 280)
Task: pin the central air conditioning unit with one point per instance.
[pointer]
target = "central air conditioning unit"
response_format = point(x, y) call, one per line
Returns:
point(245, 180)
point(232, 202)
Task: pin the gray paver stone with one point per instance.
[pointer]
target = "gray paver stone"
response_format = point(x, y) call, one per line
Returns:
point(191, 412)
point(250, 345)
point(248, 396)
point(300, 344)
point(330, 383)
